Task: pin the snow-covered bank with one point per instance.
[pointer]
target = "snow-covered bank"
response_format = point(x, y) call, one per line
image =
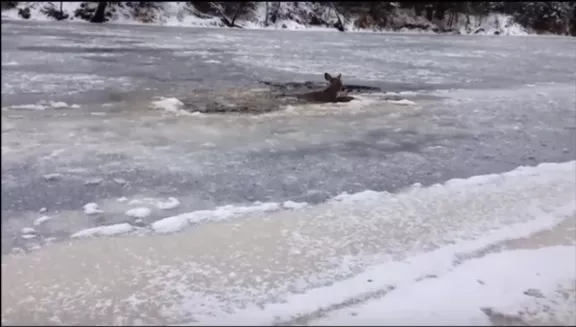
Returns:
point(287, 15)
point(287, 265)
point(530, 287)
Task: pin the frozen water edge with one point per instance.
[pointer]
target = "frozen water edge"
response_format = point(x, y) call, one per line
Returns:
point(248, 270)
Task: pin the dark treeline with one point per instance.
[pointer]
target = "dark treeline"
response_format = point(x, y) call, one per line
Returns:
point(558, 17)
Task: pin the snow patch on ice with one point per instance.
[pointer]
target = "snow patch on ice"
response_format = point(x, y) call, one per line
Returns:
point(41, 220)
point(109, 230)
point(402, 102)
point(172, 105)
point(169, 204)
point(10, 63)
point(27, 230)
point(294, 205)
point(43, 105)
point(91, 208)
point(141, 212)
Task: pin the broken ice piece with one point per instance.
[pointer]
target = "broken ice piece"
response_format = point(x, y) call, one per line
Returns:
point(141, 212)
point(28, 230)
point(171, 203)
point(91, 208)
point(41, 220)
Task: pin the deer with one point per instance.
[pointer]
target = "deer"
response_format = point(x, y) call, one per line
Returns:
point(330, 94)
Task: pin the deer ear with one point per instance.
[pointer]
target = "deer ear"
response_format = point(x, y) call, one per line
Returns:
point(327, 77)
point(339, 76)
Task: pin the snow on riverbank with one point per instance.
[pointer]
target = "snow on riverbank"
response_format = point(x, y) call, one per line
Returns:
point(180, 14)
point(257, 270)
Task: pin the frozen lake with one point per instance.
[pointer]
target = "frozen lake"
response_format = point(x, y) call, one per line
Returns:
point(480, 105)
point(82, 148)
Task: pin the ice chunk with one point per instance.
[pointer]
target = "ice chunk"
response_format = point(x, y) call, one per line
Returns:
point(141, 212)
point(109, 230)
point(171, 203)
point(41, 220)
point(294, 205)
point(28, 230)
point(91, 208)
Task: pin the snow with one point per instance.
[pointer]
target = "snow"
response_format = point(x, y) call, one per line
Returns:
point(402, 102)
point(109, 230)
point(29, 106)
point(179, 222)
point(91, 208)
point(172, 105)
point(294, 205)
point(43, 105)
point(28, 230)
point(169, 204)
point(257, 270)
point(141, 212)
point(503, 282)
point(41, 220)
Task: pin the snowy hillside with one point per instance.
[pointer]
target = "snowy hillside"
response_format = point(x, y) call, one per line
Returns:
point(390, 16)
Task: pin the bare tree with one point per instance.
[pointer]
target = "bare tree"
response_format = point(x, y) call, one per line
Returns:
point(223, 18)
point(340, 25)
point(99, 15)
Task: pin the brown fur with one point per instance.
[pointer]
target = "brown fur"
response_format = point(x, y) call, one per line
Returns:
point(330, 94)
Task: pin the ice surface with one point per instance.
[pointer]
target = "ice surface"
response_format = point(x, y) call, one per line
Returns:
point(104, 230)
point(91, 208)
point(257, 270)
point(141, 212)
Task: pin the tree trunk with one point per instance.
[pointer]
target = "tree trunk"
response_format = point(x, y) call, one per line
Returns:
point(339, 26)
point(240, 7)
point(266, 18)
point(274, 16)
point(99, 16)
point(440, 10)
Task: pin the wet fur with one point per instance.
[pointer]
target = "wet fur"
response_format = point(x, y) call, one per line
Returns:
point(330, 94)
